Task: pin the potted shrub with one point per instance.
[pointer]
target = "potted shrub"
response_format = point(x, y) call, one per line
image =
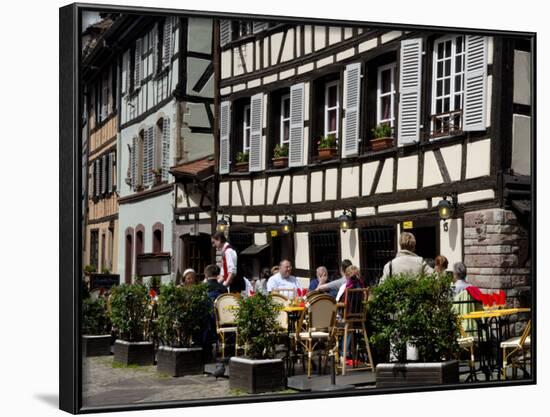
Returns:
point(327, 147)
point(257, 328)
point(129, 314)
point(241, 160)
point(280, 156)
point(184, 313)
point(383, 137)
point(157, 172)
point(96, 328)
point(415, 311)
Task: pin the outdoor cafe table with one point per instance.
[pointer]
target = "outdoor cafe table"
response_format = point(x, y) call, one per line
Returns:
point(490, 325)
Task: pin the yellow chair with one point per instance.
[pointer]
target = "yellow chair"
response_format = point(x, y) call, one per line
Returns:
point(315, 326)
point(225, 307)
point(466, 343)
point(354, 319)
point(516, 352)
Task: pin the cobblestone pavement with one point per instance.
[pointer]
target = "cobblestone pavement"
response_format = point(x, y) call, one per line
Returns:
point(104, 385)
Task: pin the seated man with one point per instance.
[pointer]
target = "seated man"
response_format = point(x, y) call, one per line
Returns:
point(321, 278)
point(283, 279)
point(333, 286)
point(214, 288)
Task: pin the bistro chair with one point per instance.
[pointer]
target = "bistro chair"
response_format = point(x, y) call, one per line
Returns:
point(225, 307)
point(315, 326)
point(353, 322)
point(464, 303)
point(466, 343)
point(289, 293)
point(516, 352)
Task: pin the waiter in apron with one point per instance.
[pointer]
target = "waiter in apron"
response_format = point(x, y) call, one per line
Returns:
point(228, 271)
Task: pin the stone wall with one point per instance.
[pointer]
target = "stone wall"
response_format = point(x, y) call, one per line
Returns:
point(496, 253)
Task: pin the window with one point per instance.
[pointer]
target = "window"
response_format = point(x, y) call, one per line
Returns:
point(332, 106)
point(139, 158)
point(240, 240)
point(94, 248)
point(158, 231)
point(241, 29)
point(246, 128)
point(448, 86)
point(378, 247)
point(282, 247)
point(128, 256)
point(324, 251)
point(140, 241)
point(284, 135)
point(196, 253)
point(385, 95)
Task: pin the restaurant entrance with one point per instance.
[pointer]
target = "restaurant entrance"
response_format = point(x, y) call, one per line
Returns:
point(427, 240)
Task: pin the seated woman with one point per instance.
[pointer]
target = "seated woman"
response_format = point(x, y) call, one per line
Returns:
point(353, 280)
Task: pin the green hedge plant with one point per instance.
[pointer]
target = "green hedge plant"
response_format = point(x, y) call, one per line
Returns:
point(183, 312)
point(95, 320)
point(257, 325)
point(415, 309)
point(129, 311)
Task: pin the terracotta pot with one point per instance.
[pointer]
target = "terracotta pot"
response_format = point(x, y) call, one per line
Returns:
point(381, 143)
point(241, 167)
point(327, 153)
point(281, 162)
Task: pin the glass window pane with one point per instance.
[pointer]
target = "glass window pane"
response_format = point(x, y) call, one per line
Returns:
point(448, 48)
point(458, 83)
point(385, 111)
point(440, 50)
point(386, 81)
point(447, 67)
point(446, 104)
point(447, 89)
point(286, 130)
point(459, 44)
point(438, 106)
point(332, 96)
point(286, 108)
point(440, 69)
point(439, 90)
point(458, 104)
point(458, 64)
point(332, 120)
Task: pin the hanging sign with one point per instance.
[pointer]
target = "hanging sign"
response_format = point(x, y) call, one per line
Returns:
point(407, 225)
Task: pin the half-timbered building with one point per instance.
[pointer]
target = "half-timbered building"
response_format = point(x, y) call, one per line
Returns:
point(413, 118)
point(165, 93)
point(100, 123)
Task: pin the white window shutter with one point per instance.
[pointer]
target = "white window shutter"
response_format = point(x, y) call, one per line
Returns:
point(133, 164)
point(103, 174)
point(296, 143)
point(409, 98)
point(352, 94)
point(167, 42)
point(165, 161)
point(148, 155)
point(155, 41)
point(225, 32)
point(110, 158)
point(138, 70)
point(225, 129)
point(96, 179)
point(123, 78)
point(256, 139)
point(475, 81)
point(258, 26)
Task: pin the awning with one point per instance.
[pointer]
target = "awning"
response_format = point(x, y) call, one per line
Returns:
point(254, 249)
point(200, 170)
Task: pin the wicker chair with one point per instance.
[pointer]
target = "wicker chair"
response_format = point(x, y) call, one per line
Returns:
point(516, 352)
point(466, 343)
point(353, 322)
point(224, 308)
point(315, 326)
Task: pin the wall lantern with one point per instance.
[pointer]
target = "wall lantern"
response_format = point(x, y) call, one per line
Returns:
point(287, 224)
point(345, 219)
point(223, 225)
point(447, 209)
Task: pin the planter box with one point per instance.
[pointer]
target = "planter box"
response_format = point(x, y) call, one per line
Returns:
point(256, 375)
point(381, 143)
point(96, 345)
point(327, 153)
point(134, 353)
point(241, 167)
point(390, 375)
point(180, 361)
point(280, 162)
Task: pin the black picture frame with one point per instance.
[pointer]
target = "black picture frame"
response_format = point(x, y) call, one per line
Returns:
point(71, 211)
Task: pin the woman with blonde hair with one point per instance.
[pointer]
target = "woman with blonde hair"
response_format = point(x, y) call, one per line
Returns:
point(353, 280)
point(441, 264)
